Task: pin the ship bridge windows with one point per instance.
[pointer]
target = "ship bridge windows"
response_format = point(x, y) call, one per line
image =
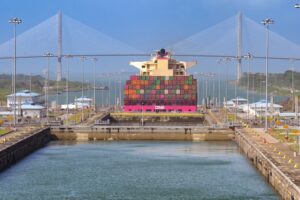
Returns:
point(171, 66)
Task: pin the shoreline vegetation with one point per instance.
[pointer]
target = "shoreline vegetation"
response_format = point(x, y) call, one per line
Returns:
point(280, 84)
point(37, 85)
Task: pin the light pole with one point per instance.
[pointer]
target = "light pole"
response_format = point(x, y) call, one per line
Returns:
point(103, 85)
point(95, 61)
point(109, 93)
point(219, 86)
point(219, 91)
point(196, 74)
point(15, 21)
point(203, 89)
point(293, 87)
point(116, 85)
point(120, 92)
point(236, 99)
point(48, 55)
point(206, 97)
point(142, 113)
point(266, 22)
point(226, 60)
point(249, 56)
point(82, 58)
point(213, 92)
point(67, 86)
point(198, 88)
point(30, 82)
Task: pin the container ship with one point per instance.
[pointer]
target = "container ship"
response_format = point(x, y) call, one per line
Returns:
point(162, 85)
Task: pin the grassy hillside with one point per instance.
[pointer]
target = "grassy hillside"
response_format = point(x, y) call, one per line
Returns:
point(279, 83)
point(37, 84)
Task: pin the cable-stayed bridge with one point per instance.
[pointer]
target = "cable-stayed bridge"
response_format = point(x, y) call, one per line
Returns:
point(231, 38)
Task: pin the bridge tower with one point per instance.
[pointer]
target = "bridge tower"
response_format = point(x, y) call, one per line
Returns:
point(239, 45)
point(59, 47)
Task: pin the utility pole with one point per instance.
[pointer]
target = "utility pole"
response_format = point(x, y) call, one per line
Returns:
point(83, 58)
point(120, 92)
point(30, 81)
point(94, 91)
point(15, 21)
point(266, 23)
point(67, 86)
point(293, 87)
point(239, 46)
point(48, 55)
point(219, 91)
point(249, 56)
point(109, 100)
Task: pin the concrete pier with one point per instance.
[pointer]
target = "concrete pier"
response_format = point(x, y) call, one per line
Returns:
point(273, 174)
point(16, 149)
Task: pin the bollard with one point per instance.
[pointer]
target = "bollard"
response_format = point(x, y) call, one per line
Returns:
point(296, 166)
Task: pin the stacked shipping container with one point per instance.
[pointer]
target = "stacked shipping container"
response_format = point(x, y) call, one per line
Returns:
point(163, 93)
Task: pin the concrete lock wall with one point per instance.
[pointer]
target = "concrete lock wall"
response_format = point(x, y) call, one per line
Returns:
point(274, 176)
point(22, 148)
point(142, 135)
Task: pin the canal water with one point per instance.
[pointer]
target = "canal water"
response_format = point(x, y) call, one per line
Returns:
point(115, 95)
point(138, 170)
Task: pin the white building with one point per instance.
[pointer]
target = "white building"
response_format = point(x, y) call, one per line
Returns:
point(235, 102)
point(289, 115)
point(259, 108)
point(32, 110)
point(24, 96)
point(83, 102)
point(71, 106)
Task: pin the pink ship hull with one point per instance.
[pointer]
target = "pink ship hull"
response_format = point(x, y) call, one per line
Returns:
point(152, 108)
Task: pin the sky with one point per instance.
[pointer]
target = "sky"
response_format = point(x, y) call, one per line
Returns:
point(149, 25)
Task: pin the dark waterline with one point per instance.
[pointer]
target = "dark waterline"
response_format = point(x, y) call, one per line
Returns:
point(135, 170)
